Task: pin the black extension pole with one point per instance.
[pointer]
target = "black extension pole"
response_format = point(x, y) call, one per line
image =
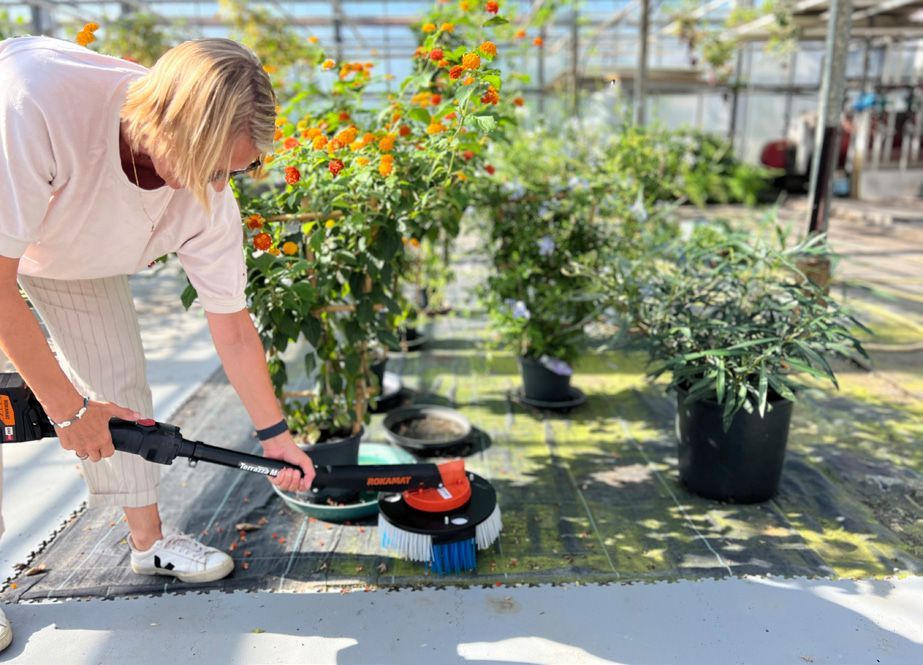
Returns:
point(826, 141)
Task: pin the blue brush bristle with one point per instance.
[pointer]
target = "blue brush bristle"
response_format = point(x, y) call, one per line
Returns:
point(453, 557)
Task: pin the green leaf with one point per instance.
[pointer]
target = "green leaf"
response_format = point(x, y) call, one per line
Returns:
point(719, 381)
point(312, 330)
point(730, 409)
point(310, 364)
point(364, 311)
point(763, 390)
point(420, 115)
point(496, 20)
point(486, 123)
point(493, 80)
point(752, 342)
point(288, 327)
point(807, 369)
point(189, 295)
point(816, 359)
point(304, 291)
point(389, 338)
point(351, 362)
point(780, 387)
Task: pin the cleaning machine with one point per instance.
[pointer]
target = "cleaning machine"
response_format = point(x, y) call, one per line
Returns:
point(438, 514)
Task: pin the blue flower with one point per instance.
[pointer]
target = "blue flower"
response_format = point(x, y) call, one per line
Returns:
point(557, 366)
point(546, 245)
point(638, 210)
point(516, 189)
point(520, 311)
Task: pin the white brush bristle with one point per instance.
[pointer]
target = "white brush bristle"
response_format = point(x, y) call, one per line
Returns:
point(489, 530)
point(413, 546)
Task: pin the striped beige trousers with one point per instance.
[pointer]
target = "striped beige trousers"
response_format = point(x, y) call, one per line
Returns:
point(95, 331)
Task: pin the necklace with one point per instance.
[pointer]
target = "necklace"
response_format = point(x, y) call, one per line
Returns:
point(134, 170)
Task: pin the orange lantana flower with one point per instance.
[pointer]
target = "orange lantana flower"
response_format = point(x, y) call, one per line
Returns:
point(488, 48)
point(471, 61)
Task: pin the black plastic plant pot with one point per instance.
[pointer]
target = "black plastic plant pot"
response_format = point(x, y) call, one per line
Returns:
point(411, 337)
point(742, 465)
point(541, 384)
point(335, 450)
point(421, 297)
point(378, 369)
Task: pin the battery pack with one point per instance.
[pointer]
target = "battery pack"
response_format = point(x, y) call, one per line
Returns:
point(22, 417)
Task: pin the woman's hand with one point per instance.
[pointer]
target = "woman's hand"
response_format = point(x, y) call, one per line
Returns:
point(89, 437)
point(283, 448)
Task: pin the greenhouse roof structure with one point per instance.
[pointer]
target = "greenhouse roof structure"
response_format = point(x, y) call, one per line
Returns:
point(901, 19)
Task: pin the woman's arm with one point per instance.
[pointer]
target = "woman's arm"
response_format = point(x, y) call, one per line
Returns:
point(241, 352)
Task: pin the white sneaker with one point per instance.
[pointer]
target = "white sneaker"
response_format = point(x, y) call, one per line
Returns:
point(183, 557)
point(6, 631)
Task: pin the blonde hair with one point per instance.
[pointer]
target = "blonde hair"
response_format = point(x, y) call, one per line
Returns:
point(196, 100)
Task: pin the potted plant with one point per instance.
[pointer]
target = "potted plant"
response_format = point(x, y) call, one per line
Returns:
point(738, 329)
point(546, 202)
point(326, 229)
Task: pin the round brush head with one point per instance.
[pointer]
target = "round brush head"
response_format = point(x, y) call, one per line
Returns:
point(446, 541)
point(453, 523)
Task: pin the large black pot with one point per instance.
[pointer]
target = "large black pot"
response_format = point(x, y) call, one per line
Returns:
point(742, 465)
point(335, 451)
point(541, 384)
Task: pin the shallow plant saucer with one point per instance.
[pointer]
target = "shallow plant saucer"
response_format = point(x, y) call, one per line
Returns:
point(367, 505)
point(417, 341)
point(418, 411)
point(575, 398)
point(476, 442)
point(412, 344)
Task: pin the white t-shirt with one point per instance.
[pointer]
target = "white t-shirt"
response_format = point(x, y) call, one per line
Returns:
point(66, 206)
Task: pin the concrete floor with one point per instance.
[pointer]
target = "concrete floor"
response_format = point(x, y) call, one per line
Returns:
point(752, 620)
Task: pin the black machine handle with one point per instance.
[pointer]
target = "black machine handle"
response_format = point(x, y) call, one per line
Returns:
point(23, 419)
point(162, 443)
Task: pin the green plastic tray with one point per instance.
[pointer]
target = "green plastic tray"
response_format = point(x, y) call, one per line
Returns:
point(369, 453)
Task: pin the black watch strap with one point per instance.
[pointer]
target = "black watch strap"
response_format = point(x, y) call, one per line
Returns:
point(272, 430)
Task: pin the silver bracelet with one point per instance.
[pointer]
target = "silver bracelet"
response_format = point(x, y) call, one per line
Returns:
point(75, 417)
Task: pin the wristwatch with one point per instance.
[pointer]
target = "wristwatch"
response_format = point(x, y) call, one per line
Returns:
point(77, 416)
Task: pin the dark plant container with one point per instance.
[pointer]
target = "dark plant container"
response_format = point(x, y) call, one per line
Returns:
point(378, 369)
point(541, 384)
point(817, 269)
point(421, 297)
point(335, 450)
point(410, 336)
point(742, 465)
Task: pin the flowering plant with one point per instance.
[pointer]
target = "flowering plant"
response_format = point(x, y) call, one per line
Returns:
point(353, 187)
point(563, 200)
point(545, 210)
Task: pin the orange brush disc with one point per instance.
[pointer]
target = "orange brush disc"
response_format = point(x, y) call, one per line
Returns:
point(454, 493)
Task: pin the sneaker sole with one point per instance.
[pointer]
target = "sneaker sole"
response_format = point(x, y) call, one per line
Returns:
point(6, 637)
point(193, 578)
